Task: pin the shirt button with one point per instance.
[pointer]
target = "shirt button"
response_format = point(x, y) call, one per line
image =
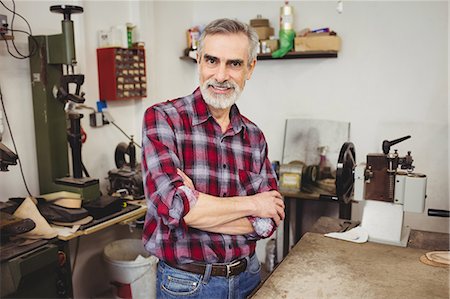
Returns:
point(224, 165)
point(229, 246)
point(224, 194)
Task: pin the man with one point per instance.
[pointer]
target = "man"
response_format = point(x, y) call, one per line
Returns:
point(210, 189)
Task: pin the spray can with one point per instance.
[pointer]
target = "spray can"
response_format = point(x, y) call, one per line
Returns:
point(286, 17)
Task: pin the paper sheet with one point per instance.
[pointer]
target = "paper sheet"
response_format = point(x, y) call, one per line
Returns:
point(356, 234)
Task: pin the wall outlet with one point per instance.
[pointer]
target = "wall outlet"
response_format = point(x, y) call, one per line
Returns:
point(3, 24)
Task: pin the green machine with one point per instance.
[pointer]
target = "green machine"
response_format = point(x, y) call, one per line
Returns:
point(56, 91)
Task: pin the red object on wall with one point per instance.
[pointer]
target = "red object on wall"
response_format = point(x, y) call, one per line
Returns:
point(121, 73)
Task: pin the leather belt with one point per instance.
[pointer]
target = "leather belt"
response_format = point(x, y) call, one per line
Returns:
point(226, 270)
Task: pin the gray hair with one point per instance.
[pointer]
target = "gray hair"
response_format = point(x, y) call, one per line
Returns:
point(225, 26)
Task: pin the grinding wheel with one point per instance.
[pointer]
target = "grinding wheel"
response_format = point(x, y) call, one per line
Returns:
point(344, 172)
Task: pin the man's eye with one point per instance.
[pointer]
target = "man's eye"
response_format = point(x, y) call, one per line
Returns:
point(236, 64)
point(211, 60)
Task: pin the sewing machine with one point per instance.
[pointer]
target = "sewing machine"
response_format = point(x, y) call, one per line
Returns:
point(385, 191)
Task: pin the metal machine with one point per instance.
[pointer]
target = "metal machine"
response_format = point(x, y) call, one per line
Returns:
point(56, 89)
point(127, 176)
point(7, 157)
point(385, 191)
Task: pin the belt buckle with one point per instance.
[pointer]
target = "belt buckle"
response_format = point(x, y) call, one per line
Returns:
point(235, 263)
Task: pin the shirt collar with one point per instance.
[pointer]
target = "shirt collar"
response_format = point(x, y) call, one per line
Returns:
point(236, 119)
point(202, 113)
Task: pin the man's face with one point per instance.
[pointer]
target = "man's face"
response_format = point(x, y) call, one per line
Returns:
point(224, 68)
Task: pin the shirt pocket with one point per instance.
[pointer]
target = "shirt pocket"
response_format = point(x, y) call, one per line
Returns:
point(249, 182)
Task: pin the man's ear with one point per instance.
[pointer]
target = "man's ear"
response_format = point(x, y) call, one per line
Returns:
point(251, 67)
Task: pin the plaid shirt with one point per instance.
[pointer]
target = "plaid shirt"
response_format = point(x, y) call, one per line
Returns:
point(183, 134)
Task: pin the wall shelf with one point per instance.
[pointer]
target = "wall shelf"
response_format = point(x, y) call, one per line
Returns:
point(7, 37)
point(121, 73)
point(289, 55)
point(301, 55)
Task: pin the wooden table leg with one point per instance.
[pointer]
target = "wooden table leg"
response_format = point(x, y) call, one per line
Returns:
point(287, 210)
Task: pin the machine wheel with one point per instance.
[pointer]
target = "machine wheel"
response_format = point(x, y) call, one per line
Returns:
point(344, 172)
point(119, 155)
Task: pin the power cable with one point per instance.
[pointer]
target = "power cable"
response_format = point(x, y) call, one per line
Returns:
point(14, 143)
point(12, 30)
point(129, 138)
point(80, 106)
point(16, 13)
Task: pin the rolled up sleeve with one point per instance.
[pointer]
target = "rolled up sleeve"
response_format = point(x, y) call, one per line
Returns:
point(166, 195)
point(264, 227)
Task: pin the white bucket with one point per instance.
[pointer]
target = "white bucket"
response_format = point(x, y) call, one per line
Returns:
point(129, 263)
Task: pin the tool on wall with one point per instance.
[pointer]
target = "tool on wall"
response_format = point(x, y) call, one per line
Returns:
point(56, 89)
point(385, 191)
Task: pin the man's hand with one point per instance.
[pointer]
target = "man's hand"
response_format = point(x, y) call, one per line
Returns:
point(269, 204)
point(186, 180)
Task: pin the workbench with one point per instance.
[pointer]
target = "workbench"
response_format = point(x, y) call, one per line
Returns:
point(295, 200)
point(33, 270)
point(323, 267)
point(124, 218)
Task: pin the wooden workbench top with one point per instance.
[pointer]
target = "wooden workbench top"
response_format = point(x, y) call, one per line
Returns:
point(322, 267)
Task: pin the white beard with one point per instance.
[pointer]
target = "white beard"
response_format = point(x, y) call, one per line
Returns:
point(220, 101)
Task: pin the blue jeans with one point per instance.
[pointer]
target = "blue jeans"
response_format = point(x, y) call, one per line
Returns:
point(175, 283)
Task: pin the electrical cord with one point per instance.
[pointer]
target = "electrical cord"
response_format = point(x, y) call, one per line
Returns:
point(12, 30)
point(21, 55)
point(13, 11)
point(129, 138)
point(14, 143)
point(81, 106)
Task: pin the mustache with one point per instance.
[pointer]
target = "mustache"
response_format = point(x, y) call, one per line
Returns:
point(225, 84)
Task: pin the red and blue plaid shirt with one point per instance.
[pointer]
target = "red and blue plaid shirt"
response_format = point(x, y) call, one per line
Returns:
point(183, 134)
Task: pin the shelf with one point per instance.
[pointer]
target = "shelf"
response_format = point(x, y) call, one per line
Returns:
point(7, 37)
point(187, 58)
point(289, 55)
point(301, 55)
point(121, 73)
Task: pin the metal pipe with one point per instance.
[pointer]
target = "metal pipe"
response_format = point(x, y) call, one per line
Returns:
point(75, 144)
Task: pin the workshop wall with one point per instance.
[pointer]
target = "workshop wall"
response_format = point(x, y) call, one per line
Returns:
point(390, 80)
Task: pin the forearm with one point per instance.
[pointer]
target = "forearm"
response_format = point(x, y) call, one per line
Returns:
point(241, 226)
point(213, 212)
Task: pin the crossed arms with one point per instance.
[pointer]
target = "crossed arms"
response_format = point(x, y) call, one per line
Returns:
point(213, 214)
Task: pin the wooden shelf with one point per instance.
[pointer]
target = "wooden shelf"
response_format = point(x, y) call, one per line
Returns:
point(301, 55)
point(289, 55)
point(187, 58)
point(7, 37)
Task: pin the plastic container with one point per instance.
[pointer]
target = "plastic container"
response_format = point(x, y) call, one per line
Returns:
point(286, 17)
point(131, 269)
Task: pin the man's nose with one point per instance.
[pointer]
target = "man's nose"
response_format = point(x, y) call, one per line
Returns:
point(222, 73)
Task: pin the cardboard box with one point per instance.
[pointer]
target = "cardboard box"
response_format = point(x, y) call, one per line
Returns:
point(264, 32)
point(317, 43)
point(271, 43)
